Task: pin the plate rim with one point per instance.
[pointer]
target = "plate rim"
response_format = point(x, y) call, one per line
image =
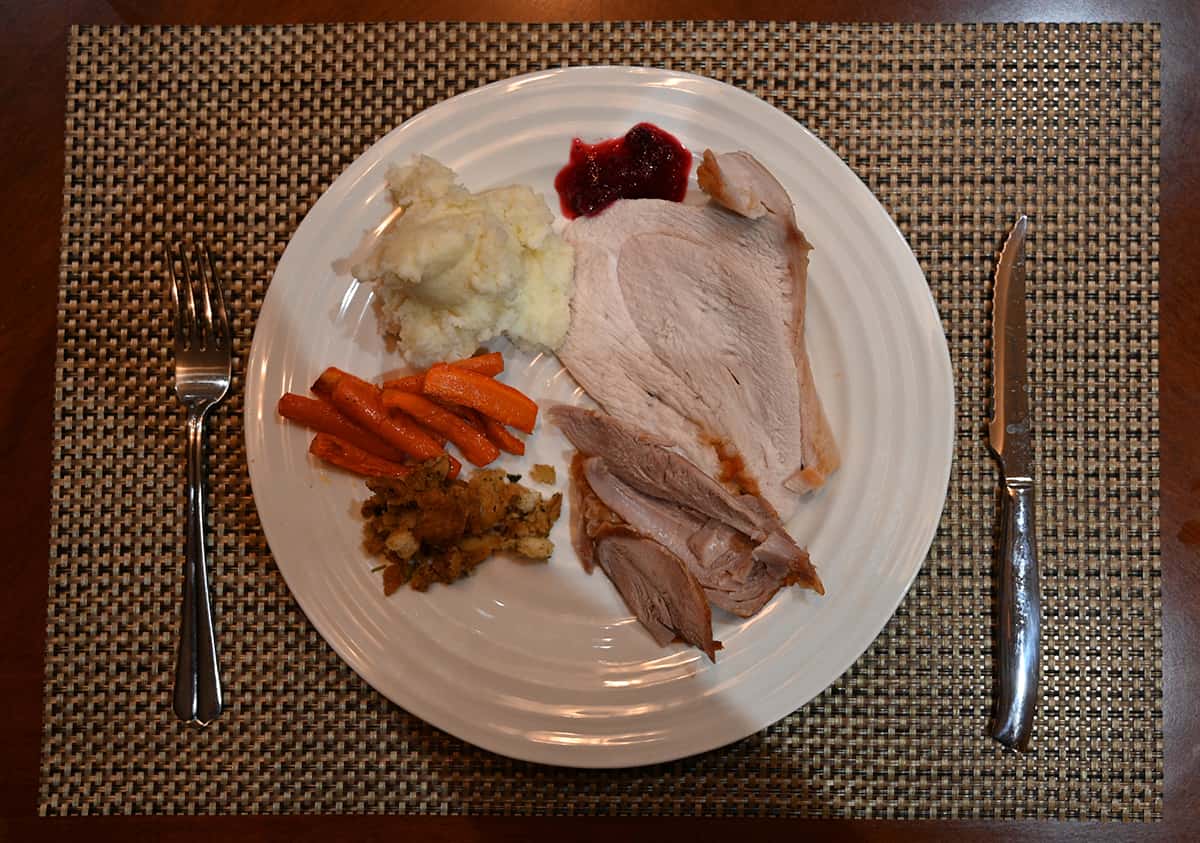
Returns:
point(367, 161)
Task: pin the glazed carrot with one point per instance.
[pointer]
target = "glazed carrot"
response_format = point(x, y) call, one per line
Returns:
point(502, 437)
point(439, 438)
point(428, 431)
point(495, 400)
point(465, 413)
point(468, 415)
point(323, 417)
point(485, 364)
point(343, 454)
point(476, 447)
point(409, 383)
point(330, 378)
point(363, 403)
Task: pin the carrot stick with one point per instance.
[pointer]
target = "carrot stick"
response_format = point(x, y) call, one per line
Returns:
point(468, 415)
point(484, 364)
point(363, 403)
point(502, 437)
point(490, 397)
point(343, 454)
point(475, 446)
point(439, 438)
point(465, 413)
point(323, 417)
point(409, 383)
point(426, 429)
point(330, 378)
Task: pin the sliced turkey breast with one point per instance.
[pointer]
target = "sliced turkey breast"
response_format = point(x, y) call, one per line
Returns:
point(689, 322)
point(739, 182)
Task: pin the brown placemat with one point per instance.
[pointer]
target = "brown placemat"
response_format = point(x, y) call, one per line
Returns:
point(237, 131)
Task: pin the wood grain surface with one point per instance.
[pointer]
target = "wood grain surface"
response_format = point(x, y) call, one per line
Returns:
point(33, 62)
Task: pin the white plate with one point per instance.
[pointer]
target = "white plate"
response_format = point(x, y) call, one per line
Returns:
point(543, 662)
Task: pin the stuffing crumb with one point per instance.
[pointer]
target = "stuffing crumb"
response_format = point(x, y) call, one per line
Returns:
point(543, 474)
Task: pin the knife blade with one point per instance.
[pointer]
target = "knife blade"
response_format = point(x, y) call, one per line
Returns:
point(1009, 435)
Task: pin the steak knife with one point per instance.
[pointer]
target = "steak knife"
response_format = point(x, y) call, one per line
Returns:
point(1019, 627)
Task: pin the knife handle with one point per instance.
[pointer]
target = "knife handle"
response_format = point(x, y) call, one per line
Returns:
point(1020, 618)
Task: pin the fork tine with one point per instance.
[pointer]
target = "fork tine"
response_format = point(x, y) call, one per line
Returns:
point(205, 280)
point(221, 322)
point(197, 329)
point(174, 292)
point(181, 297)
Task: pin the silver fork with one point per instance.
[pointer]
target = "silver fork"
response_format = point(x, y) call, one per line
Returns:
point(203, 360)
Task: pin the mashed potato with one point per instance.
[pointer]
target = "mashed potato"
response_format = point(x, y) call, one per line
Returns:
point(460, 268)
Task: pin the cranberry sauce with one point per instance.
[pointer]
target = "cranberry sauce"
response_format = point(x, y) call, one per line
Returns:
point(647, 163)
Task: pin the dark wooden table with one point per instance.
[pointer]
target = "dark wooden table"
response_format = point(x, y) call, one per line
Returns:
point(33, 56)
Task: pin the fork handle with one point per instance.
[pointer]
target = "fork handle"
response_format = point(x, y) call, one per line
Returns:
point(197, 675)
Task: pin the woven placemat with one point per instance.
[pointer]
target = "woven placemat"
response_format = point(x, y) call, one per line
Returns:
point(237, 131)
